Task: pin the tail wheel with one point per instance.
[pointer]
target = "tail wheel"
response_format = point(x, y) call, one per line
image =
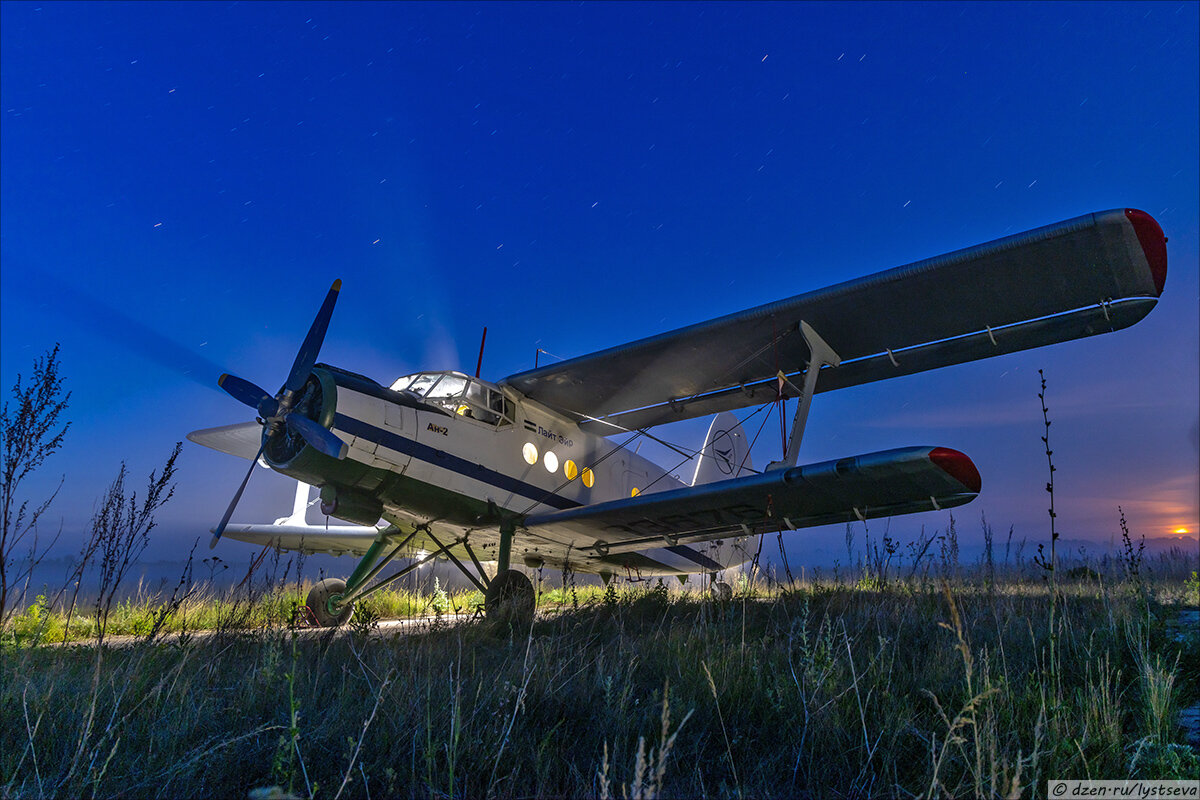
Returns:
point(321, 599)
point(722, 591)
point(510, 594)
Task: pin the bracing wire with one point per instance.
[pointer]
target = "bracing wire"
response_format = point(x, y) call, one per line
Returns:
point(637, 433)
point(679, 448)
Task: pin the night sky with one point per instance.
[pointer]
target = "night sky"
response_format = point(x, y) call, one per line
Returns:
point(182, 182)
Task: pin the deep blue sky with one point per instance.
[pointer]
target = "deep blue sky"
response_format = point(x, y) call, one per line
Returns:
point(181, 183)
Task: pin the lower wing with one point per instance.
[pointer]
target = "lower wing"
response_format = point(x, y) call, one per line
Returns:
point(903, 481)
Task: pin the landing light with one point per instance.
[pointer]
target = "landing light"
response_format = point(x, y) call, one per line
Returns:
point(530, 452)
point(551, 462)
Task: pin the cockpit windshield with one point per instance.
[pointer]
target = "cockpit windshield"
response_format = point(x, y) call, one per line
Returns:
point(448, 386)
point(459, 394)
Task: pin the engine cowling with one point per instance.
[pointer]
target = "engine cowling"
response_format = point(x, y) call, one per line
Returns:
point(317, 400)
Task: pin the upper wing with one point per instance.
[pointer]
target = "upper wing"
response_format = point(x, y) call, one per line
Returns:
point(1088, 275)
point(892, 482)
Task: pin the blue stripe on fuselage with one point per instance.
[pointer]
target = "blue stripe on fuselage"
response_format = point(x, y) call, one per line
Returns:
point(440, 458)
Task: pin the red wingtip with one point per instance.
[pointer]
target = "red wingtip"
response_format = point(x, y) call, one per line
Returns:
point(1154, 244)
point(958, 466)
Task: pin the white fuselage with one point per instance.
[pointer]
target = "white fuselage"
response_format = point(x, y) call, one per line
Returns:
point(530, 460)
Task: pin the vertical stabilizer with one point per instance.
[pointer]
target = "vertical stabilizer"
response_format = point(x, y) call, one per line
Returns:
point(726, 452)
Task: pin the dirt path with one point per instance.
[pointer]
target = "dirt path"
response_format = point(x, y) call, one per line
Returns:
point(384, 628)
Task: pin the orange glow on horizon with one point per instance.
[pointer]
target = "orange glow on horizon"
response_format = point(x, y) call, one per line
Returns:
point(1181, 531)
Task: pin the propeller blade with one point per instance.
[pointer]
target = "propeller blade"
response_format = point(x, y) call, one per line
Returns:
point(307, 356)
point(249, 394)
point(318, 436)
point(233, 504)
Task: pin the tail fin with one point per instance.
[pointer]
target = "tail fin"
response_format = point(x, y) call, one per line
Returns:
point(726, 452)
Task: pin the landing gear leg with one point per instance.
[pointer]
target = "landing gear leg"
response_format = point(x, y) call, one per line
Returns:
point(504, 558)
point(510, 594)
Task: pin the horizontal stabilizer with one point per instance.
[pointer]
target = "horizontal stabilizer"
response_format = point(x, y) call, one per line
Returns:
point(334, 540)
point(242, 439)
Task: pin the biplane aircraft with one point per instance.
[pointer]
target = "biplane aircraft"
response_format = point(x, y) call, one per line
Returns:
point(528, 470)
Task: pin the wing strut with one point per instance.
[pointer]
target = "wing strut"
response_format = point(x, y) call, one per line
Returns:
point(478, 583)
point(367, 569)
point(820, 354)
point(356, 591)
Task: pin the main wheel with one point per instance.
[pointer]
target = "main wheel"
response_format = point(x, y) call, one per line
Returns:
point(722, 591)
point(510, 594)
point(321, 599)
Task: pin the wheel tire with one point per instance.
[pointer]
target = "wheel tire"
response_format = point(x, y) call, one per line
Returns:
point(320, 598)
point(509, 596)
point(722, 591)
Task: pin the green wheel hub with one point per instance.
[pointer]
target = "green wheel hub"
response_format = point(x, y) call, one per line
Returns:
point(323, 602)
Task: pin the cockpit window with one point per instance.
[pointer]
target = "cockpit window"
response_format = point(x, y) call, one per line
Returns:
point(417, 384)
point(448, 386)
point(459, 394)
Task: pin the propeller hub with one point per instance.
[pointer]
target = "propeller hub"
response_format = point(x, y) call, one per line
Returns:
point(268, 408)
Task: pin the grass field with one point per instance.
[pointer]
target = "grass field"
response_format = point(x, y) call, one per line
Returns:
point(963, 684)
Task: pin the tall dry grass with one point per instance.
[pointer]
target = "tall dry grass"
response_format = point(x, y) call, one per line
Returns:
point(863, 687)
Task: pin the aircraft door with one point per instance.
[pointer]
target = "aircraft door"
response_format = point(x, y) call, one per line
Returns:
point(399, 423)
